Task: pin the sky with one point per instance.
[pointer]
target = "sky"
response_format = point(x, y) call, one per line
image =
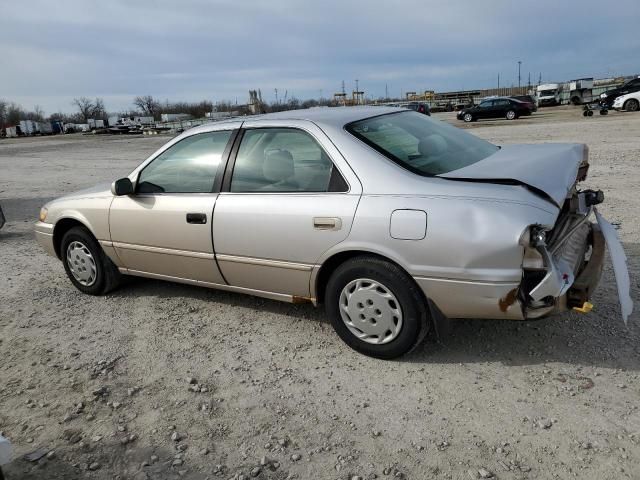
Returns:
point(189, 50)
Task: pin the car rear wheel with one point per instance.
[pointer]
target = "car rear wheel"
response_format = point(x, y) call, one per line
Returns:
point(511, 115)
point(467, 117)
point(86, 264)
point(632, 105)
point(376, 308)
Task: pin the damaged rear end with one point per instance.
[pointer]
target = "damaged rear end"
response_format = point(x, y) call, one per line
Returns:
point(562, 265)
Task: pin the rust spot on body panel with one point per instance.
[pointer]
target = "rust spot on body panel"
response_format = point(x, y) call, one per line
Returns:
point(508, 300)
point(300, 299)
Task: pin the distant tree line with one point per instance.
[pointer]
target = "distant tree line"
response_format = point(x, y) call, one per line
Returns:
point(12, 113)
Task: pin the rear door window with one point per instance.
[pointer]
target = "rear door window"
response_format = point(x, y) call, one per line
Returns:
point(283, 160)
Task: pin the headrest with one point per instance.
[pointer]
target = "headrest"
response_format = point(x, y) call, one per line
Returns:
point(278, 165)
point(432, 145)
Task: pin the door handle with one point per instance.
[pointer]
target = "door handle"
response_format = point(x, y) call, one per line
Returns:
point(197, 218)
point(327, 223)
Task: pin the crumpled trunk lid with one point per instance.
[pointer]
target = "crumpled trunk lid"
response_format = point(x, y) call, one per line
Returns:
point(549, 168)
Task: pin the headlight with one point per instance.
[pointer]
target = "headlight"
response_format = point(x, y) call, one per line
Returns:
point(43, 214)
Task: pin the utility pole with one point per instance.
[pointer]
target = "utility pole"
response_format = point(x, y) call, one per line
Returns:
point(519, 63)
point(276, 96)
point(386, 91)
point(529, 81)
point(540, 78)
point(498, 81)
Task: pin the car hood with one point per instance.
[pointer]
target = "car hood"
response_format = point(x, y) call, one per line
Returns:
point(550, 169)
point(100, 190)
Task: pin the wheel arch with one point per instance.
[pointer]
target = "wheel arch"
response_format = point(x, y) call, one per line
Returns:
point(61, 227)
point(321, 275)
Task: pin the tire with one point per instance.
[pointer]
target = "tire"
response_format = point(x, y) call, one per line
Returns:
point(632, 105)
point(604, 112)
point(511, 115)
point(467, 118)
point(590, 113)
point(371, 287)
point(86, 264)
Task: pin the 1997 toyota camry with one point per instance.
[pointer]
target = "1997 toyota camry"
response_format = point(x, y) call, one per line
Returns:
point(386, 216)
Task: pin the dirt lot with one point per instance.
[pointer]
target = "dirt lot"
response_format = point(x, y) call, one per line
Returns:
point(104, 383)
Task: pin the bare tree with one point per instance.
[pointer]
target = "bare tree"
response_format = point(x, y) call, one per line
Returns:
point(147, 105)
point(85, 107)
point(3, 112)
point(98, 110)
point(14, 114)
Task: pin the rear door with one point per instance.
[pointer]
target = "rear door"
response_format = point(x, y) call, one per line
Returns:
point(287, 197)
point(164, 229)
point(500, 107)
point(485, 109)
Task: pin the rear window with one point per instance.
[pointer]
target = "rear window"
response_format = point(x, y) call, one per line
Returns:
point(420, 144)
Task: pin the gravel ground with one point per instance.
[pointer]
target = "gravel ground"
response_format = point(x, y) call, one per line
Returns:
point(162, 381)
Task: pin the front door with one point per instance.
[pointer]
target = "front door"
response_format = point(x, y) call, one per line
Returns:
point(164, 229)
point(288, 197)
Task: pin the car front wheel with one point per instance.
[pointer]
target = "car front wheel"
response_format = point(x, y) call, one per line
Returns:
point(376, 308)
point(468, 117)
point(511, 115)
point(86, 264)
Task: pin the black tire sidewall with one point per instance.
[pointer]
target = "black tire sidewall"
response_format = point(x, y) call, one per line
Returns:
point(632, 102)
point(413, 307)
point(84, 236)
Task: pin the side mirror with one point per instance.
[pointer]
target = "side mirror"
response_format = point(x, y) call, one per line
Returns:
point(122, 187)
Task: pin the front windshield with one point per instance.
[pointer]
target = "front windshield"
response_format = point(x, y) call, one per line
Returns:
point(420, 144)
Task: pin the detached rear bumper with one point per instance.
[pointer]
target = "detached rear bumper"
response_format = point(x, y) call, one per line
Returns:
point(44, 236)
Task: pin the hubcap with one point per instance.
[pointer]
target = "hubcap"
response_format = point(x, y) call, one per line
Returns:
point(370, 311)
point(81, 263)
point(511, 115)
point(468, 117)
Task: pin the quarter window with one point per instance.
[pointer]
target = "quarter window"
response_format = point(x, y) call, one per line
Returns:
point(189, 166)
point(283, 160)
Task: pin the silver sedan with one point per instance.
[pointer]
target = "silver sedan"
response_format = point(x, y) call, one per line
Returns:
point(389, 218)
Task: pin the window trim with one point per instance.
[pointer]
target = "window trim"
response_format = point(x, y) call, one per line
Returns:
point(231, 162)
point(217, 179)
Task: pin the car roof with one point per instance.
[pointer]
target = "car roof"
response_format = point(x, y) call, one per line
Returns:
point(332, 116)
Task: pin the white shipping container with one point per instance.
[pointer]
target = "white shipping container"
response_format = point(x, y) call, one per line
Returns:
point(172, 117)
point(143, 120)
point(28, 127)
point(217, 115)
point(12, 132)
